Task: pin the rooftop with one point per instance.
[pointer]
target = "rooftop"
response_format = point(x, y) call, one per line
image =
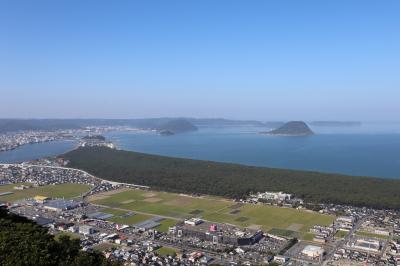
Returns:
point(62, 204)
point(224, 229)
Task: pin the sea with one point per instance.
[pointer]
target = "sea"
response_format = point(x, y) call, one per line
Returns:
point(372, 149)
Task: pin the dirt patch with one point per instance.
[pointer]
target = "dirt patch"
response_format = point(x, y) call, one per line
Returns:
point(103, 246)
point(234, 212)
point(178, 202)
point(149, 194)
point(106, 194)
point(254, 226)
point(152, 200)
point(241, 219)
point(127, 201)
point(236, 206)
point(294, 227)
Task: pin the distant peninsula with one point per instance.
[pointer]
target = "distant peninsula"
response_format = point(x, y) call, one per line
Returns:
point(292, 128)
point(94, 137)
point(176, 126)
point(335, 123)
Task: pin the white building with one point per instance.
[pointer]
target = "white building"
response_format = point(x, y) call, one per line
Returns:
point(312, 251)
point(280, 259)
point(345, 219)
point(86, 230)
point(193, 221)
point(274, 196)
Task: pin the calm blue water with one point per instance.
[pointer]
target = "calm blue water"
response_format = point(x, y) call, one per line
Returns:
point(372, 151)
point(355, 154)
point(36, 151)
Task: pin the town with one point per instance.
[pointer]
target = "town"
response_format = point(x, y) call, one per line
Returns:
point(355, 235)
point(10, 141)
point(13, 140)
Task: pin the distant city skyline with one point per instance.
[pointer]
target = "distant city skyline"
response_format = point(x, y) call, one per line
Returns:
point(261, 60)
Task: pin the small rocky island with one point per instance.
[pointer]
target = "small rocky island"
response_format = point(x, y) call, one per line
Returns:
point(292, 128)
point(176, 126)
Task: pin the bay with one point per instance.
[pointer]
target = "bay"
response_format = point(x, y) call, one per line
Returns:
point(360, 154)
point(365, 151)
point(35, 151)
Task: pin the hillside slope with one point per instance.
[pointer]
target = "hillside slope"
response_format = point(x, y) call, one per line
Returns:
point(177, 126)
point(292, 128)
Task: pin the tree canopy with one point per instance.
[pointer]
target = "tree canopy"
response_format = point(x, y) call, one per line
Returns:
point(233, 180)
point(23, 242)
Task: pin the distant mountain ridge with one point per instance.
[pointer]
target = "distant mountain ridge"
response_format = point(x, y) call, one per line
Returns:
point(13, 125)
point(292, 128)
point(336, 123)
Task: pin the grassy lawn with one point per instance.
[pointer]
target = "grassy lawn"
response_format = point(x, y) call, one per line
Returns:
point(162, 203)
point(130, 220)
point(308, 236)
point(372, 235)
point(165, 225)
point(51, 191)
point(213, 209)
point(285, 233)
point(115, 212)
point(341, 234)
point(166, 251)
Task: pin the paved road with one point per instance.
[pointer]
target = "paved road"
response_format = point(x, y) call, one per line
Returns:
point(339, 244)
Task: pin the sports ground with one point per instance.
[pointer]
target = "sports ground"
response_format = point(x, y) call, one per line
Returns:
point(52, 191)
point(174, 207)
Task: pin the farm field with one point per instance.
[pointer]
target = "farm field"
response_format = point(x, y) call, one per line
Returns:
point(177, 207)
point(52, 191)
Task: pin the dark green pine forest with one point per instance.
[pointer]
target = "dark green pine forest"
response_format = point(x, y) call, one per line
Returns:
point(233, 180)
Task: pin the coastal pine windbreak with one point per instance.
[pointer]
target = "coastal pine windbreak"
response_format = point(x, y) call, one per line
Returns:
point(233, 180)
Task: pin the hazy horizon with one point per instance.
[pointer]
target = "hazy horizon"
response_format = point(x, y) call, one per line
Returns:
point(267, 61)
point(192, 117)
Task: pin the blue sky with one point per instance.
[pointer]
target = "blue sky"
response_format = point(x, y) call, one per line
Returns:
point(266, 60)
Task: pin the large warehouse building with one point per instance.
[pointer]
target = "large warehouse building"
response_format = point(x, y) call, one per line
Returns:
point(313, 251)
point(61, 205)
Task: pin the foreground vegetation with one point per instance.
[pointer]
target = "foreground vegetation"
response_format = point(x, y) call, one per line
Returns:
point(23, 242)
point(233, 180)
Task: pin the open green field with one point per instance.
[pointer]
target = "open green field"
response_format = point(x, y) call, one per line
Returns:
point(308, 236)
point(165, 225)
point(133, 219)
point(166, 251)
point(177, 207)
point(51, 191)
point(341, 234)
point(372, 235)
